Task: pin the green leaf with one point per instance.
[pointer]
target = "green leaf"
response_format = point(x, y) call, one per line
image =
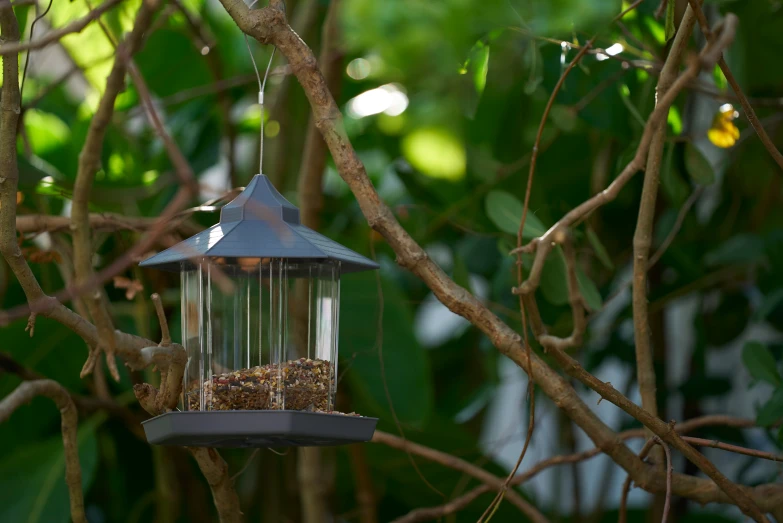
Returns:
point(480, 66)
point(534, 63)
point(698, 166)
point(554, 285)
point(563, 117)
point(742, 248)
point(670, 29)
point(768, 304)
point(554, 282)
point(589, 291)
point(760, 362)
point(406, 365)
point(600, 250)
point(505, 211)
point(772, 410)
point(32, 479)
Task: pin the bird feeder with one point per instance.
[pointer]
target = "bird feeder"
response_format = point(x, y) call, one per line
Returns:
point(260, 317)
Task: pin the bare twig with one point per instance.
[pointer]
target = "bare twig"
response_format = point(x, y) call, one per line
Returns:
point(669, 471)
point(55, 36)
point(463, 501)
point(453, 462)
point(455, 505)
point(165, 336)
point(623, 517)
point(39, 223)
point(24, 393)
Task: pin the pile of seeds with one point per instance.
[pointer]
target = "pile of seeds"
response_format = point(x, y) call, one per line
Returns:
point(302, 384)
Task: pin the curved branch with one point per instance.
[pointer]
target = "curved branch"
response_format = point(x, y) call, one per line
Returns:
point(772, 491)
point(24, 393)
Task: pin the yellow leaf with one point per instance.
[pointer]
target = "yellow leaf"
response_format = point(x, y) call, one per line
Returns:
point(723, 133)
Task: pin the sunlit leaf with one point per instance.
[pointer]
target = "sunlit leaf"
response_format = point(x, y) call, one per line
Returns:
point(436, 152)
point(674, 120)
point(45, 131)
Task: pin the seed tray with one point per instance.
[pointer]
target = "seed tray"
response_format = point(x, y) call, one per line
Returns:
point(257, 428)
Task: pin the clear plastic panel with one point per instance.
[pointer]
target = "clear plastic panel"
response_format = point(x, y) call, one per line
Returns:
point(262, 334)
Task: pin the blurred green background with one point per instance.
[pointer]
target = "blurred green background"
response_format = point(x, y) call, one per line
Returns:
point(442, 102)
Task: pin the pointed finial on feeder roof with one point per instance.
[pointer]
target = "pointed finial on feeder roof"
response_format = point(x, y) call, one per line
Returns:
point(260, 223)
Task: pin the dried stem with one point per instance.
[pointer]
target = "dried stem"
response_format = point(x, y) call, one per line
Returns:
point(24, 393)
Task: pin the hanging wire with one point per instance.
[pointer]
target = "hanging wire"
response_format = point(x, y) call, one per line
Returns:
point(261, 87)
point(32, 28)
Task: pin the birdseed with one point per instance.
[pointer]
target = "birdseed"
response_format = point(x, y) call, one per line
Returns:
point(302, 384)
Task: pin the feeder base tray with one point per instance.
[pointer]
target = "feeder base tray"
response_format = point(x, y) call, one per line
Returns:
point(257, 428)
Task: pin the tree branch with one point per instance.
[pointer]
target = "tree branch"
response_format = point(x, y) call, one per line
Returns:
point(109, 222)
point(448, 460)
point(772, 491)
point(24, 393)
point(642, 239)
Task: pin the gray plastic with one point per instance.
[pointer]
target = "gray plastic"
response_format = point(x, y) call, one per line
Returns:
point(259, 223)
point(257, 428)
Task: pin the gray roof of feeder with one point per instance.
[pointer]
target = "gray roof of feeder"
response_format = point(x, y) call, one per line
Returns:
point(261, 223)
